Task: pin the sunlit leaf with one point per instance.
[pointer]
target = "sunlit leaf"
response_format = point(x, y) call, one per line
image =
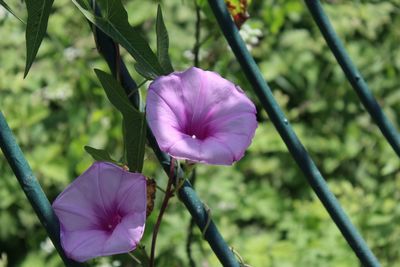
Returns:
point(114, 22)
point(163, 43)
point(38, 17)
point(7, 7)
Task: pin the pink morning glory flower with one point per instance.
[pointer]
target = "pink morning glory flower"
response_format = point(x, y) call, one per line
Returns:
point(199, 116)
point(102, 212)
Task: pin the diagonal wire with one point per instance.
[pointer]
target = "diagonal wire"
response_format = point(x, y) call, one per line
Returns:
point(188, 196)
point(286, 132)
point(32, 189)
point(353, 75)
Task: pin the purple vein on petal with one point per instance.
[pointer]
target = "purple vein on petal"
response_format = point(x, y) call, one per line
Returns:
point(163, 121)
point(197, 107)
point(188, 140)
point(230, 116)
point(184, 137)
point(226, 146)
point(75, 212)
point(83, 242)
point(100, 191)
point(126, 194)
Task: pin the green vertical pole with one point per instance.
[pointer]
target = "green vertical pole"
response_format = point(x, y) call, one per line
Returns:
point(31, 188)
point(286, 132)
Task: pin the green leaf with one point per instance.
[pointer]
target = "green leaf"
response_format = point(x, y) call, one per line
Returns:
point(115, 93)
point(7, 7)
point(144, 72)
point(116, 25)
point(134, 122)
point(163, 43)
point(99, 154)
point(134, 129)
point(38, 17)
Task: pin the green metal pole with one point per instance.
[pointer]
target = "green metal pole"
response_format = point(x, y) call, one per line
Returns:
point(32, 189)
point(294, 145)
point(353, 75)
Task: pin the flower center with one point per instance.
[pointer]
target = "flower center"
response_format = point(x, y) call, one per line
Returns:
point(113, 222)
point(196, 130)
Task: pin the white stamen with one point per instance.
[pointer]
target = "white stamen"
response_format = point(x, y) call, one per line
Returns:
point(109, 226)
point(193, 136)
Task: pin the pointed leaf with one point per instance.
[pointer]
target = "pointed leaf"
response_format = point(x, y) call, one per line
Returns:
point(38, 17)
point(144, 72)
point(135, 140)
point(99, 154)
point(116, 25)
point(115, 93)
point(134, 122)
point(7, 7)
point(163, 43)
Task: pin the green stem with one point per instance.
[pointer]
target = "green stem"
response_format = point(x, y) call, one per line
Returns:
point(161, 189)
point(169, 193)
point(134, 258)
point(142, 83)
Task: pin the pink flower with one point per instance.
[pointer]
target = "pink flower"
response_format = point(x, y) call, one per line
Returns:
point(200, 116)
point(102, 212)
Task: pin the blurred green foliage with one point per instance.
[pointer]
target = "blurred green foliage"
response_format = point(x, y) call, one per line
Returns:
point(263, 204)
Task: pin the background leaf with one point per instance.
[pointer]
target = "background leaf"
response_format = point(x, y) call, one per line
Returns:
point(134, 122)
point(38, 17)
point(7, 7)
point(116, 25)
point(163, 43)
point(115, 93)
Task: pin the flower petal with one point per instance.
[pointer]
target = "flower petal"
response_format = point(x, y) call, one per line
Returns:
point(213, 151)
point(210, 151)
point(166, 90)
point(126, 235)
point(83, 245)
point(131, 196)
point(194, 95)
point(163, 121)
point(206, 92)
point(75, 217)
point(186, 148)
point(236, 132)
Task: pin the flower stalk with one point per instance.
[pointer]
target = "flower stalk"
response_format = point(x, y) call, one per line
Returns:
point(169, 193)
